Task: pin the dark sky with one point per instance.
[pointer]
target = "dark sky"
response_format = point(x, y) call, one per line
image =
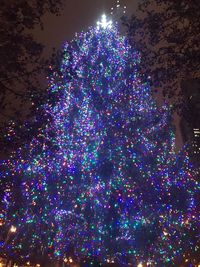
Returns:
point(76, 16)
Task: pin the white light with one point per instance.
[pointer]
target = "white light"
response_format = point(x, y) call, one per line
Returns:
point(104, 23)
point(140, 264)
point(165, 233)
point(13, 229)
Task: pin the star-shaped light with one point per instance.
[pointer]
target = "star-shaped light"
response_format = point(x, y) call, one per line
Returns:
point(104, 23)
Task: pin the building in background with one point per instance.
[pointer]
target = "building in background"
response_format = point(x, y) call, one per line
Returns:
point(190, 122)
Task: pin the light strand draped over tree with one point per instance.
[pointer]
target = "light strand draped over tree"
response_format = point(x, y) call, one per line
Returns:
point(102, 178)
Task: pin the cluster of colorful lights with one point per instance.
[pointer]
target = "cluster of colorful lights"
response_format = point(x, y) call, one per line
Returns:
point(102, 177)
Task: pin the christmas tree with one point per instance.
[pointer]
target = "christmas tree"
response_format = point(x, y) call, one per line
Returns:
point(101, 179)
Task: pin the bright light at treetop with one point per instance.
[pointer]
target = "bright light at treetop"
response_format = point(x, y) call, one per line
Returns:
point(101, 179)
point(104, 23)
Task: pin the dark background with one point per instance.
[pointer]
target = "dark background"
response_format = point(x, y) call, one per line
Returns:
point(76, 16)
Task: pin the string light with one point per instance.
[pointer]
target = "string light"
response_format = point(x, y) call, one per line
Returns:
point(70, 260)
point(13, 229)
point(102, 174)
point(118, 10)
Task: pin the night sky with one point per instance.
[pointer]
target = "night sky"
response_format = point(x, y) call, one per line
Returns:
point(76, 16)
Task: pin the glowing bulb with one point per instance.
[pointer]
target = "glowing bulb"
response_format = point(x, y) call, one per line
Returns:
point(104, 23)
point(70, 260)
point(165, 233)
point(140, 264)
point(13, 229)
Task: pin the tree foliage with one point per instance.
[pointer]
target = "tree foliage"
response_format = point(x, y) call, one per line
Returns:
point(21, 54)
point(101, 179)
point(167, 35)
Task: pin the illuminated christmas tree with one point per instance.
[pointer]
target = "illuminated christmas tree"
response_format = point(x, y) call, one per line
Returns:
point(101, 179)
